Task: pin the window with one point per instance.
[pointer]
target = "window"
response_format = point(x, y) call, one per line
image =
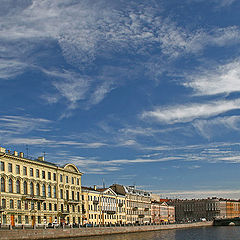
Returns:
point(24, 170)
point(19, 205)
point(31, 172)
point(44, 190)
point(25, 187)
point(67, 194)
point(77, 181)
point(61, 207)
point(72, 180)
point(10, 185)
point(11, 203)
point(26, 219)
point(49, 176)
point(43, 174)
point(26, 205)
point(54, 177)
point(55, 207)
point(32, 205)
point(61, 177)
point(2, 166)
point(44, 206)
point(17, 169)
point(2, 184)
point(9, 167)
point(19, 219)
point(39, 206)
point(82, 197)
point(78, 196)
point(39, 219)
point(37, 173)
point(18, 186)
point(54, 192)
point(38, 189)
point(73, 208)
point(31, 189)
point(61, 193)
point(49, 191)
point(66, 179)
point(50, 207)
point(3, 203)
point(72, 195)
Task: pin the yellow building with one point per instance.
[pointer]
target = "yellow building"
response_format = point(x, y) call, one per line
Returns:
point(138, 203)
point(38, 192)
point(102, 206)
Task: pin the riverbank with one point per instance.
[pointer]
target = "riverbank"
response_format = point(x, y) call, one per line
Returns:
point(37, 234)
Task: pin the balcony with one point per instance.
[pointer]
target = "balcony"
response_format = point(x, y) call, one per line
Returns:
point(34, 197)
point(95, 202)
point(141, 216)
point(71, 201)
point(135, 209)
point(110, 212)
point(63, 213)
point(146, 209)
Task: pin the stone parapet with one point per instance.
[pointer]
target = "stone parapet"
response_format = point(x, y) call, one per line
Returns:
point(29, 234)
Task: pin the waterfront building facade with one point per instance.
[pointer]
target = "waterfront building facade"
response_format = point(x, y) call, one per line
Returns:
point(138, 203)
point(102, 206)
point(210, 208)
point(161, 211)
point(38, 192)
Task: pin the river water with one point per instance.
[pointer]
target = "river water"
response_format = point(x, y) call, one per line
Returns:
point(203, 233)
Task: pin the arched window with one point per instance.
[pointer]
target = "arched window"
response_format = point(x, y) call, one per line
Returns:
point(2, 184)
point(25, 187)
point(44, 190)
point(49, 191)
point(37, 189)
point(10, 185)
point(18, 186)
point(31, 189)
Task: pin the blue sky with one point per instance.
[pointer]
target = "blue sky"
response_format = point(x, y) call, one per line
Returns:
point(132, 92)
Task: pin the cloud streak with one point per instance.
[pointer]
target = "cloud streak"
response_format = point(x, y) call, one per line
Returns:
point(222, 79)
point(187, 113)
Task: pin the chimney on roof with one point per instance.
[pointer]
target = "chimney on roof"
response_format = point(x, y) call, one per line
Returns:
point(15, 153)
point(95, 187)
point(2, 150)
point(21, 155)
point(41, 158)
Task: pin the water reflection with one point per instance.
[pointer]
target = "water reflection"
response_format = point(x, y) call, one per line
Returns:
point(205, 233)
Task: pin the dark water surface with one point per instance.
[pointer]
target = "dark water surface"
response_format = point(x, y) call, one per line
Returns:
point(204, 233)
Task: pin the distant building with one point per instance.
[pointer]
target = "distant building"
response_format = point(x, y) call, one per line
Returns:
point(210, 208)
point(138, 203)
point(161, 212)
point(103, 206)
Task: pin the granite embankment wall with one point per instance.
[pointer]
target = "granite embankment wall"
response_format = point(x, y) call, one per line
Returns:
point(84, 232)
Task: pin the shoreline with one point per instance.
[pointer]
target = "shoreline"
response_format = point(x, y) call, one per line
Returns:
point(37, 234)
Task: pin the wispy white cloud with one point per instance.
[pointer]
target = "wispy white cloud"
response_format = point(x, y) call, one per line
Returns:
point(105, 30)
point(23, 124)
point(210, 128)
point(189, 112)
point(188, 194)
point(50, 143)
point(221, 79)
